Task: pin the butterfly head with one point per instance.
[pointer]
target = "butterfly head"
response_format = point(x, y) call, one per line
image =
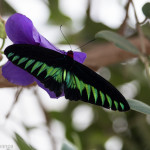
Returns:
point(70, 54)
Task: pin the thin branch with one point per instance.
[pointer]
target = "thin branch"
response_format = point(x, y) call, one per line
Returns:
point(2, 46)
point(141, 35)
point(143, 21)
point(15, 101)
point(143, 57)
point(1, 57)
point(123, 25)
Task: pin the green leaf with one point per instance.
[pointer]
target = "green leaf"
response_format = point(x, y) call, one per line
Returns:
point(139, 106)
point(68, 146)
point(146, 10)
point(77, 141)
point(21, 143)
point(118, 40)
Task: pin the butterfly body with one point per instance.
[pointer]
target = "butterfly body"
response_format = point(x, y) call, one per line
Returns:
point(61, 73)
point(70, 54)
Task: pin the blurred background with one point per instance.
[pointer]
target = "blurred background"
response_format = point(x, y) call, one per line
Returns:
point(47, 123)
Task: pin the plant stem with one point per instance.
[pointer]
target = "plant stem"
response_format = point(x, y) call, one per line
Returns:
point(143, 21)
point(15, 101)
point(123, 25)
point(2, 47)
point(143, 57)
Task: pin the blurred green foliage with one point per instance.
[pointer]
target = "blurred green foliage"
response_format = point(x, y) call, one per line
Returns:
point(21, 143)
point(146, 30)
point(146, 10)
point(134, 130)
point(5, 8)
point(56, 16)
point(68, 146)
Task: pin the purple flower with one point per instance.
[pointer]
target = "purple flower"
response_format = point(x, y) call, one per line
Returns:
point(20, 30)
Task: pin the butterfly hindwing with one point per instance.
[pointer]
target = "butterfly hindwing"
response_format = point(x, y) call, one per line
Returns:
point(84, 84)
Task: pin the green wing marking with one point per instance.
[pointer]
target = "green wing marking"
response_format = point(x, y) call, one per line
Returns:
point(49, 70)
point(15, 58)
point(122, 106)
point(94, 90)
point(88, 90)
point(80, 84)
point(53, 71)
point(36, 65)
point(43, 68)
point(102, 98)
point(64, 75)
point(29, 62)
point(109, 100)
point(58, 75)
point(66, 78)
point(116, 104)
point(22, 60)
point(10, 54)
point(71, 82)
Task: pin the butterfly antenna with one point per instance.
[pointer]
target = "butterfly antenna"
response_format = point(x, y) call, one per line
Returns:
point(86, 44)
point(65, 37)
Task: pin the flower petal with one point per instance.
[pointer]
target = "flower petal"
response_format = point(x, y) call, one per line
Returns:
point(79, 56)
point(45, 43)
point(19, 29)
point(16, 75)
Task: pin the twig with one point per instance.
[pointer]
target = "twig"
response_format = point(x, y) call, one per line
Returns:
point(141, 35)
point(2, 47)
point(143, 57)
point(3, 21)
point(143, 21)
point(123, 25)
point(1, 57)
point(15, 101)
point(46, 118)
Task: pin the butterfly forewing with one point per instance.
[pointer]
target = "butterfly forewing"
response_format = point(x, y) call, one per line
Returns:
point(60, 73)
point(42, 66)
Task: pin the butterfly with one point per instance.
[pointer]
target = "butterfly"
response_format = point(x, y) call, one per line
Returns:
point(61, 73)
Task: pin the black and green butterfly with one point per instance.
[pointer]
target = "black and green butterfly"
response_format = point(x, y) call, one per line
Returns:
point(61, 73)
